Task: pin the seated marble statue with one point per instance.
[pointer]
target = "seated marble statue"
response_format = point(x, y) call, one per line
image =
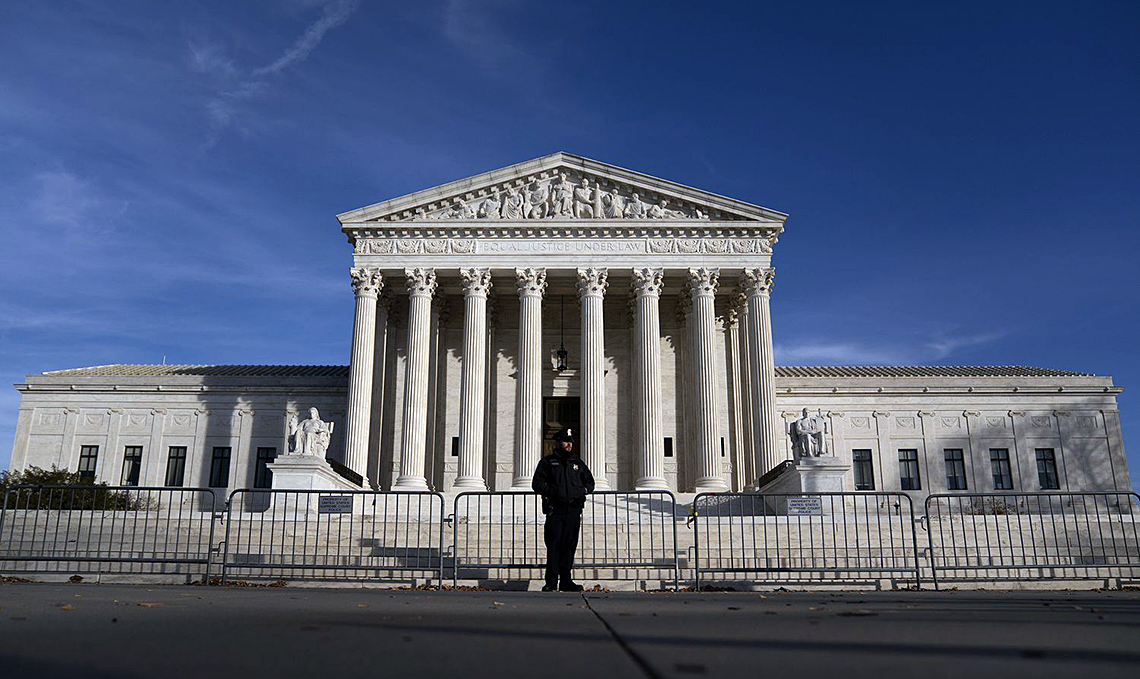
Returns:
point(808, 435)
point(310, 436)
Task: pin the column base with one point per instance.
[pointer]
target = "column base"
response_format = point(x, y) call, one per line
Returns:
point(417, 483)
point(521, 484)
point(711, 484)
point(651, 483)
point(469, 483)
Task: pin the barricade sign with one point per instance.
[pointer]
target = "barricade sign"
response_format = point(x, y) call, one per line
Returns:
point(334, 504)
point(805, 506)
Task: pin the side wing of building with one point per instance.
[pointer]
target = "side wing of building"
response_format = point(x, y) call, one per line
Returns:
point(917, 429)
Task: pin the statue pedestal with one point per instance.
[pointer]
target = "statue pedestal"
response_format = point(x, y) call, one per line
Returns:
point(305, 472)
point(810, 475)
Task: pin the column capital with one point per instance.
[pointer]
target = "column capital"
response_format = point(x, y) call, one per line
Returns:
point(476, 282)
point(647, 281)
point(757, 281)
point(420, 282)
point(702, 282)
point(366, 281)
point(592, 282)
point(729, 315)
point(531, 282)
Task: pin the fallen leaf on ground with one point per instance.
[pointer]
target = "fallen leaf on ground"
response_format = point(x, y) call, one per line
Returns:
point(150, 605)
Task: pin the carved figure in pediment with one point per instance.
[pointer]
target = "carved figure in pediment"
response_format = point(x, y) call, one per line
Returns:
point(584, 200)
point(489, 208)
point(660, 211)
point(635, 209)
point(514, 205)
point(461, 210)
point(536, 201)
point(561, 197)
point(611, 205)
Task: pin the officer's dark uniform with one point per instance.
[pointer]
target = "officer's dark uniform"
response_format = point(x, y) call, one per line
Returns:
point(563, 480)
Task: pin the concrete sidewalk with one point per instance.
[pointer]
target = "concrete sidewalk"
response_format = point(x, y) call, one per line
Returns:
point(86, 631)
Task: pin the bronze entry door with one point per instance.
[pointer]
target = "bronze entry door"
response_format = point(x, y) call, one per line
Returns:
point(558, 412)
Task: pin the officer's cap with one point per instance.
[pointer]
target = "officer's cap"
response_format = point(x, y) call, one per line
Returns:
point(564, 435)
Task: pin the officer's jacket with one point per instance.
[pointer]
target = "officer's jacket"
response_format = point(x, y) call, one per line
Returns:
point(562, 480)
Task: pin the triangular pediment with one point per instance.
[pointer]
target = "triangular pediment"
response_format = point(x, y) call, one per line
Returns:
point(561, 186)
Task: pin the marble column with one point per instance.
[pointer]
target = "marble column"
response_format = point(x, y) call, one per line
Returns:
point(421, 285)
point(366, 283)
point(648, 434)
point(731, 324)
point(592, 285)
point(473, 380)
point(528, 404)
point(757, 284)
point(747, 387)
point(702, 287)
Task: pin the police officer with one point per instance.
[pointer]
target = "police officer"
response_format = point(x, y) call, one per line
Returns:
point(563, 480)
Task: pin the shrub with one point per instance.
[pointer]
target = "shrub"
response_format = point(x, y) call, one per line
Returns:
point(77, 493)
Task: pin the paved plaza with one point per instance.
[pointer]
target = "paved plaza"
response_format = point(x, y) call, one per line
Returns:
point(84, 630)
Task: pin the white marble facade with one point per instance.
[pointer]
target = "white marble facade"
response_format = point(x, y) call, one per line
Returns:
point(660, 293)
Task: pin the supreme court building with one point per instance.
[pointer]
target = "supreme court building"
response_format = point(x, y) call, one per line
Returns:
point(565, 292)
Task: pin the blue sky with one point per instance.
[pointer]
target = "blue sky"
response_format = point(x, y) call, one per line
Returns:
point(962, 180)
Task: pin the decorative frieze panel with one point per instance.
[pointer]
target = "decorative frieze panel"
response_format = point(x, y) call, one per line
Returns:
point(180, 421)
point(637, 246)
point(906, 423)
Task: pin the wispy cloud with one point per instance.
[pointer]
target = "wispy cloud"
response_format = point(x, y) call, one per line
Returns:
point(233, 87)
point(838, 353)
point(922, 351)
point(64, 199)
point(947, 345)
point(476, 27)
point(335, 14)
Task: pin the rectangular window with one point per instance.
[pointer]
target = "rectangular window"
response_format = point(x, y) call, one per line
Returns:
point(88, 456)
point(955, 469)
point(263, 476)
point(999, 461)
point(722, 446)
point(176, 466)
point(220, 468)
point(455, 446)
point(864, 473)
point(132, 465)
point(668, 446)
point(908, 469)
point(1047, 469)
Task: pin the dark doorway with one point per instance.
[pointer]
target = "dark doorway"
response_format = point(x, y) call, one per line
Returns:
point(558, 412)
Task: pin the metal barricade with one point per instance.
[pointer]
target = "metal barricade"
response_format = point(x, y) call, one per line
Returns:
point(334, 535)
point(805, 538)
point(988, 537)
point(624, 536)
point(107, 529)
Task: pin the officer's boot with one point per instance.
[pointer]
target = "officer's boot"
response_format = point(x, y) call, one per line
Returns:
point(568, 585)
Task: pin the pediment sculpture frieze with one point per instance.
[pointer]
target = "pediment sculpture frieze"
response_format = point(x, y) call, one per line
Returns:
point(562, 195)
